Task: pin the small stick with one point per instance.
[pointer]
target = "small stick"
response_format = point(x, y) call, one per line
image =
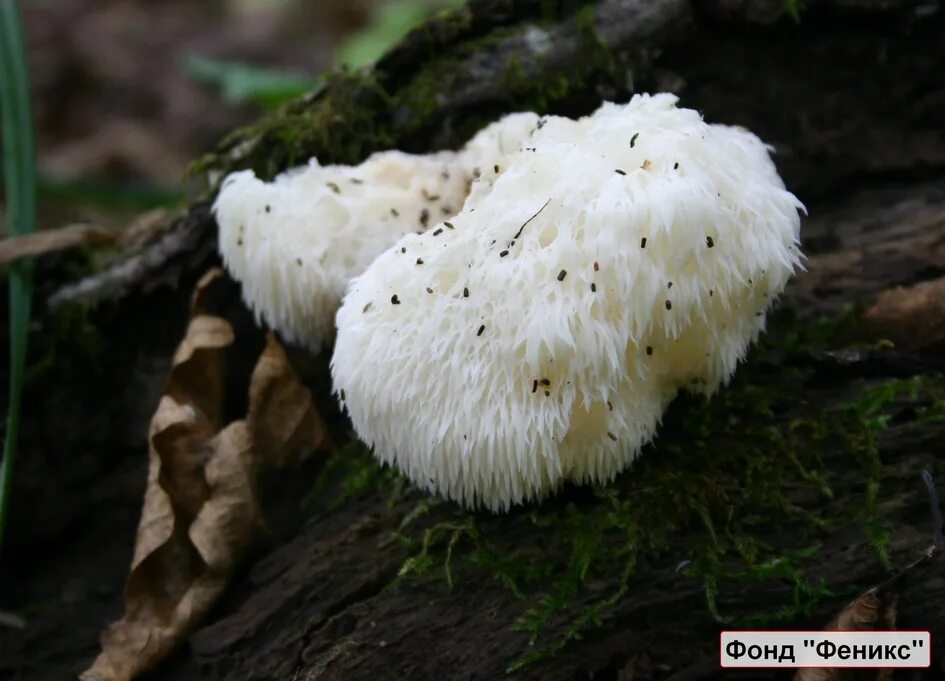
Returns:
point(937, 522)
point(519, 232)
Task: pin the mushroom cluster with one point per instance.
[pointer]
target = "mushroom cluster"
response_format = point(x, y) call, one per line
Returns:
point(592, 269)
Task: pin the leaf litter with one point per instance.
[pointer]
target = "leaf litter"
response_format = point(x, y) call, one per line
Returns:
point(201, 511)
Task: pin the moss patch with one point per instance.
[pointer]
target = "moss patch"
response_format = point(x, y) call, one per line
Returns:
point(340, 123)
point(351, 473)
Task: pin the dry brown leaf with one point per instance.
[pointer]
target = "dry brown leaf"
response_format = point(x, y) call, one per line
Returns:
point(53, 240)
point(281, 415)
point(874, 610)
point(913, 318)
point(868, 612)
point(201, 512)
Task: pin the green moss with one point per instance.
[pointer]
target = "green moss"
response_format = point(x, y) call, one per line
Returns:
point(600, 53)
point(68, 333)
point(934, 411)
point(340, 123)
point(351, 473)
point(790, 332)
point(794, 8)
point(445, 534)
point(869, 415)
point(448, 26)
point(514, 73)
point(542, 86)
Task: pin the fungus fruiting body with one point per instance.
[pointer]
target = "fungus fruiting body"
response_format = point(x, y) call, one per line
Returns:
point(295, 243)
point(551, 344)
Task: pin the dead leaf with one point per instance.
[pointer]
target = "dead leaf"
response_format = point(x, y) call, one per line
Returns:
point(913, 318)
point(281, 414)
point(53, 240)
point(874, 610)
point(200, 511)
point(868, 612)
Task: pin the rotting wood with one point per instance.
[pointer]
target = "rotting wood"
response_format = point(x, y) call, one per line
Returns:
point(853, 101)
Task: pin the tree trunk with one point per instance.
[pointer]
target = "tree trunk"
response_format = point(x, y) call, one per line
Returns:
point(771, 505)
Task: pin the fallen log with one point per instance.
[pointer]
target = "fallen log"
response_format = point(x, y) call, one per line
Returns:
point(772, 505)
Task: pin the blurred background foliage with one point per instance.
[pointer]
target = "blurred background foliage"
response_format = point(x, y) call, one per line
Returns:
point(127, 92)
point(389, 22)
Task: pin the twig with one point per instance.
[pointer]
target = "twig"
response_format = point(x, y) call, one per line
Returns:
point(51, 241)
point(934, 506)
point(11, 620)
point(519, 232)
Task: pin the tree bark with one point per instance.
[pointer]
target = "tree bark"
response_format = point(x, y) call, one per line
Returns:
point(853, 101)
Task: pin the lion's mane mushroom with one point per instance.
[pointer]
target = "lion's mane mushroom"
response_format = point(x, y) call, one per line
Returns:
point(614, 261)
point(295, 243)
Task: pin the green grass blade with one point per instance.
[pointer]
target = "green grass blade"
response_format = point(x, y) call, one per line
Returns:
point(239, 82)
point(391, 22)
point(20, 184)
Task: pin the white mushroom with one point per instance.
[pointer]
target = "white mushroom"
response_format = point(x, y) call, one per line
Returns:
point(614, 261)
point(294, 243)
